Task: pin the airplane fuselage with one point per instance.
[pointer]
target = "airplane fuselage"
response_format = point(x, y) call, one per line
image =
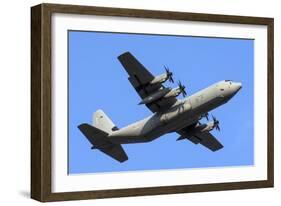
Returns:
point(183, 113)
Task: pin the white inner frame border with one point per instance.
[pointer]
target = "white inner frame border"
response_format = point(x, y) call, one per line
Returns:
point(62, 182)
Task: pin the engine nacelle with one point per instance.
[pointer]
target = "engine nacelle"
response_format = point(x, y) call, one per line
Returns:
point(160, 78)
point(173, 93)
point(166, 93)
point(198, 128)
point(155, 96)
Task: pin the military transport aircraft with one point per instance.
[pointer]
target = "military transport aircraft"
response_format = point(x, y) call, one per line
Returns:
point(169, 113)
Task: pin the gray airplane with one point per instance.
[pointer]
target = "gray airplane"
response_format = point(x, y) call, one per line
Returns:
point(169, 113)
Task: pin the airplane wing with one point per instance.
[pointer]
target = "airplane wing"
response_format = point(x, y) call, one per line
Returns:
point(205, 138)
point(209, 141)
point(140, 78)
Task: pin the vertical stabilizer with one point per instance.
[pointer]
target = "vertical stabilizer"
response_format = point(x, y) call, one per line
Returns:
point(102, 121)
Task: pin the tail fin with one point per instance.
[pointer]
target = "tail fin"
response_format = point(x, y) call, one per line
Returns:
point(99, 140)
point(103, 122)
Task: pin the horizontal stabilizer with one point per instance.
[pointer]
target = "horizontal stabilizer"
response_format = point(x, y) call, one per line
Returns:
point(116, 152)
point(99, 140)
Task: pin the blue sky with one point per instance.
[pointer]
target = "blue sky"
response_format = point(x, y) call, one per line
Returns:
point(98, 81)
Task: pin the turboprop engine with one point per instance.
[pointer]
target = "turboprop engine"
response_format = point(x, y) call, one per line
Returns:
point(165, 93)
point(201, 128)
point(168, 75)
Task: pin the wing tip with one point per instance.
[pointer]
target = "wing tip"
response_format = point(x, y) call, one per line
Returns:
point(219, 147)
point(82, 126)
point(127, 53)
point(123, 160)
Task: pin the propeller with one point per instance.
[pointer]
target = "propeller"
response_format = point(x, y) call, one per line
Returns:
point(216, 123)
point(206, 115)
point(182, 89)
point(169, 74)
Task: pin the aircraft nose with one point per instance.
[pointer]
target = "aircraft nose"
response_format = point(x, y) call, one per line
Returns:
point(237, 86)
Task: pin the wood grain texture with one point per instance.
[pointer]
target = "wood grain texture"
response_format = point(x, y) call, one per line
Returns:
point(36, 170)
point(41, 101)
point(270, 102)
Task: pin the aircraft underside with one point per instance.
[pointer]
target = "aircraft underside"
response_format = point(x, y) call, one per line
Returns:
point(169, 113)
point(155, 132)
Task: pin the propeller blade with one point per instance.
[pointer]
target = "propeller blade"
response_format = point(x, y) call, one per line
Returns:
point(214, 119)
point(169, 74)
point(206, 115)
point(182, 89)
point(216, 123)
point(166, 69)
point(184, 93)
point(218, 127)
point(171, 78)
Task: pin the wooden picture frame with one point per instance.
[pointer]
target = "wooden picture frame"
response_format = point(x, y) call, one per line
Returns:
point(41, 97)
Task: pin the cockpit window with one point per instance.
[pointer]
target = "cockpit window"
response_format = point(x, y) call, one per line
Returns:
point(228, 81)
